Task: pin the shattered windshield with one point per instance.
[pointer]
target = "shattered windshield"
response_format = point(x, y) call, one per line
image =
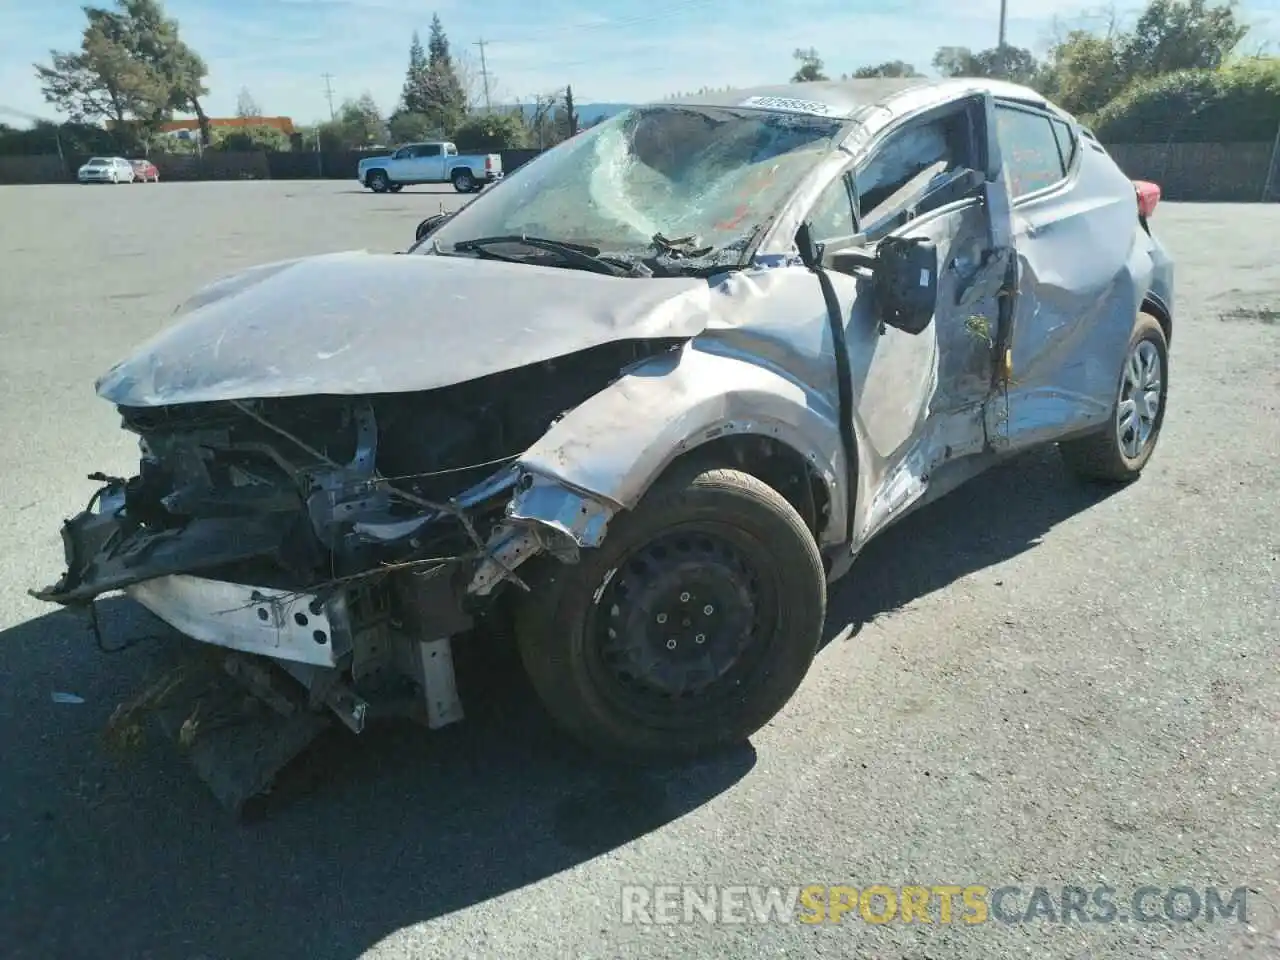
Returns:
point(709, 177)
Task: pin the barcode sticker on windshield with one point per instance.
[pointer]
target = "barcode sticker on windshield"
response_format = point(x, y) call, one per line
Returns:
point(790, 105)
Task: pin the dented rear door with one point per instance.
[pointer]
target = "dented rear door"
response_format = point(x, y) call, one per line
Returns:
point(1081, 277)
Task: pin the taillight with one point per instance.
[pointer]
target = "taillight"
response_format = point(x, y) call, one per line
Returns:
point(488, 163)
point(1148, 197)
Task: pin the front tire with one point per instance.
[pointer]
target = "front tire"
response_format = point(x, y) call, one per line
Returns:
point(463, 181)
point(378, 181)
point(688, 629)
point(1119, 453)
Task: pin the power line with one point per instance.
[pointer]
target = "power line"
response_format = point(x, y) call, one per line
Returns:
point(328, 93)
point(484, 73)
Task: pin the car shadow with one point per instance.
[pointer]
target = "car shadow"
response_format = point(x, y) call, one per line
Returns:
point(369, 835)
point(992, 518)
point(364, 836)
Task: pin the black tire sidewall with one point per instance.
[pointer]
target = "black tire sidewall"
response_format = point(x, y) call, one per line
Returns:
point(557, 650)
point(463, 181)
point(378, 182)
point(1146, 328)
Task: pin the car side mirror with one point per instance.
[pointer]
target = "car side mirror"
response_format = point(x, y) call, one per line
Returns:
point(430, 225)
point(905, 281)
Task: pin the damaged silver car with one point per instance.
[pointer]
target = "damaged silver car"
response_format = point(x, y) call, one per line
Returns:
point(644, 400)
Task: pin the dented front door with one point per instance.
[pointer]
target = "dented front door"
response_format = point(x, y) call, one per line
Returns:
point(934, 178)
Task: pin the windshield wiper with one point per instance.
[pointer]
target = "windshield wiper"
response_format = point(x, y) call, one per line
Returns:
point(572, 254)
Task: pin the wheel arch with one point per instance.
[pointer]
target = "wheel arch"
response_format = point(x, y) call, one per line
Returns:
point(721, 410)
point(1154, 304)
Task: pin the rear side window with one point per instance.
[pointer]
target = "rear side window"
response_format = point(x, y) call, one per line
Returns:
point(1066, 143)
point(1032, 158)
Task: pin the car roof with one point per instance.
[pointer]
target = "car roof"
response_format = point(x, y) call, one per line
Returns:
point(848, 98)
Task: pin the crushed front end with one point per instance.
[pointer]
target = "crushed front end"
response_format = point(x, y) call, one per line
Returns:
point(333, 547)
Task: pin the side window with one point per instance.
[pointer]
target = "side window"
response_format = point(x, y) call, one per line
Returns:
point(1066, 143)
point(909, 166)
point(1029, 146)
point(832, 214)
point(403, 153)
point(429, 150)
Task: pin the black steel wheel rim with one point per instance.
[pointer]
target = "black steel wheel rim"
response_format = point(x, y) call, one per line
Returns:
point(683, 621)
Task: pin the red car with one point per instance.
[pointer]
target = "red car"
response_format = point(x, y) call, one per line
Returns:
point(144, 171)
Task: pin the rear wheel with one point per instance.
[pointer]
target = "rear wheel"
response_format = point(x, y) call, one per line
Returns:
point(1118, 453)
point(463, 181)
point(396, 187)
point(688, 629)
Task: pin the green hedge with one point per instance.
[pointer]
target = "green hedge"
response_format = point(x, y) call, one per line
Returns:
point(1239, 103)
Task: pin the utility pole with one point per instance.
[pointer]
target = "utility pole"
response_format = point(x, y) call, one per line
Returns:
point(484, 73)
point(328, 93)
point(1000, 47)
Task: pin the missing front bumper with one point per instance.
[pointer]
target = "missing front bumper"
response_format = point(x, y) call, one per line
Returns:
point(298, 627)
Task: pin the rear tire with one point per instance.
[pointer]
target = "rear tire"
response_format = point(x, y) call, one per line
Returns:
point(688, 629)
point(1119, 452)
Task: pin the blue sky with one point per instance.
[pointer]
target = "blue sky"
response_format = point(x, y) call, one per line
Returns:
point(620, 50)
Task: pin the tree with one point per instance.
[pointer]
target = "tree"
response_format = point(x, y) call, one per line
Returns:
point(1238, 103)
point(251, 139)
point(358, 123)
point(472, 81)
point(1089, 70)
point(891, 68)
point(810, 68)
point(246, 106)
point(102, 81)
point(1180, 35)
point(1015, 64)
point(446, 101)
point(416, 96)
point(490, 132)
point(406, 127)
point(152, 39)
point(569, 117)
point(1086, 71)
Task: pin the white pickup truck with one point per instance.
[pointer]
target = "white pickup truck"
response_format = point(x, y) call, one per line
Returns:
point(433, 162)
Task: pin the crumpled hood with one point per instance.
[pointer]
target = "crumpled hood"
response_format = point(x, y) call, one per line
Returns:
point(357, 323)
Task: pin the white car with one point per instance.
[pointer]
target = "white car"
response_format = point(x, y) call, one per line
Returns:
point(107, 170)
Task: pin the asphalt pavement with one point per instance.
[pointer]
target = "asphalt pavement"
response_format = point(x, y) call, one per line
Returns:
point(1031, 683)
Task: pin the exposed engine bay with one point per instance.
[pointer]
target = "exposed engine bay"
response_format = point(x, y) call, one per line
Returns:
point(345, 538)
